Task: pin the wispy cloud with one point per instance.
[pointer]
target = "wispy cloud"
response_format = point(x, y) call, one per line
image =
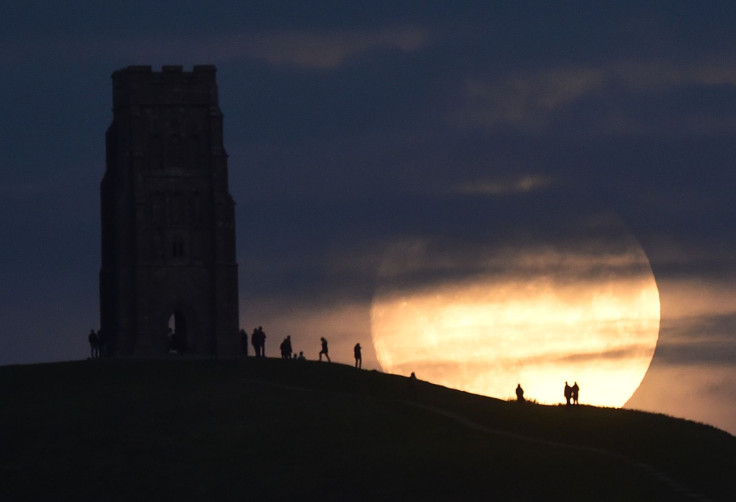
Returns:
point(607, 250)
point(528, 100)
point(691, 298)
point(312, 49)
point(507, 186)
point(525, 100)
point(323, 49)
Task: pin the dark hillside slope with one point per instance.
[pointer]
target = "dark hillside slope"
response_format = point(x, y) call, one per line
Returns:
point(177, 429)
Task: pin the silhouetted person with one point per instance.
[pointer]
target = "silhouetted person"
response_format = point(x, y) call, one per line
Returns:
point(358, 356)
point(254, 342)
point(301, 356)
point(574, 390)
point(94, 344)
point(262, 340)
point(412, 376)
point(103, 343)
point(324, 350)
point(285, 348)
point(258, 340)
point(519, 393)
point(244, 342)
point(568, 393)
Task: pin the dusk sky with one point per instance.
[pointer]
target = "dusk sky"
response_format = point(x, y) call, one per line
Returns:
point(353, 129)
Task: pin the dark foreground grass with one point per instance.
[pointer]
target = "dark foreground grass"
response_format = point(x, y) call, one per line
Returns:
point(273, 430)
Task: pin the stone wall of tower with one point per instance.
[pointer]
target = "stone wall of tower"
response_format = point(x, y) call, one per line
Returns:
point(168, 220)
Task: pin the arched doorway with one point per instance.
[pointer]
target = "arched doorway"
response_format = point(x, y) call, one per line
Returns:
point(177, 333)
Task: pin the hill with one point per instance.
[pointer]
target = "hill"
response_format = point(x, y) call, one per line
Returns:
point(178, 429)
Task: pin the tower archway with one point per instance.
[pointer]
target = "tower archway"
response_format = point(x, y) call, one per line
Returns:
point(178, 336)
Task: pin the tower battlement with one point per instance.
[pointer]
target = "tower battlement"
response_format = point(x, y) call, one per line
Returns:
point(141, 85)
point(198, 68)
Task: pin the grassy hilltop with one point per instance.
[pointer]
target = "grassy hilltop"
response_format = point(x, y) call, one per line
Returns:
point(178, 429)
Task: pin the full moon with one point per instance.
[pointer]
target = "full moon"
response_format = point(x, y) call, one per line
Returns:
point(486, 319)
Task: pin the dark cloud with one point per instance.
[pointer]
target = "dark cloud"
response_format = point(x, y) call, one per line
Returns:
point(449, 367)
point(607, 356)
point(703, 340)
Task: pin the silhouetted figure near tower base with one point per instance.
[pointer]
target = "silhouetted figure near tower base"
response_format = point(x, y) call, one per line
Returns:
point(244, 342)
point(254, 342)
point(258, 340)
point(94, 344)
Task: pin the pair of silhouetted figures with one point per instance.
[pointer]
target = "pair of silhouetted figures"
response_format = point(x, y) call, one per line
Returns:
point(94, 344)
point(571, 393)
point(258, 340)
point(99, 344)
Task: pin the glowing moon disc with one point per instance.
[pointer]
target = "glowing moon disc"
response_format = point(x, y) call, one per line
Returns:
point(537, 316)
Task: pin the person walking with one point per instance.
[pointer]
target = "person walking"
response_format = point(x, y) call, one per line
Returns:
point(324, 350)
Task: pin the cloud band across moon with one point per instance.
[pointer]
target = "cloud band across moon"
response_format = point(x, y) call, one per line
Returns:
point(532, 315)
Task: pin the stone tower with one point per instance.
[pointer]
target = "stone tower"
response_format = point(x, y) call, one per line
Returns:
point(169, 279)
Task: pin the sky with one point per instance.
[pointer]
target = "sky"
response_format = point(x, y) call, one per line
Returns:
point(354, 126)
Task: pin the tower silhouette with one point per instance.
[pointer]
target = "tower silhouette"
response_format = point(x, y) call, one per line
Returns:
point(169, 280)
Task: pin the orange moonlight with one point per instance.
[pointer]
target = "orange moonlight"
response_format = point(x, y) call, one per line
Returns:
point(536, 316)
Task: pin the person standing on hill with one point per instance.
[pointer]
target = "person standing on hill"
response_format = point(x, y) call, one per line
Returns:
point(94, 344)
point(244, 342)
point(358, 356)
point(258, 340)
point(519, 393)
point(324, 350)
point(574, 393)
point(254, 342)
point(104, 348)
point(262, 340)
point(286, 348)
